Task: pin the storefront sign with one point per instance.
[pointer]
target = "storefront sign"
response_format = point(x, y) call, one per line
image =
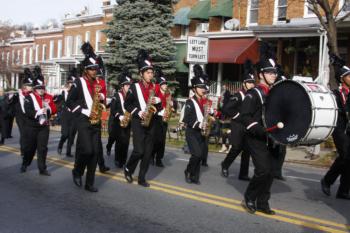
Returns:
point(197, 50)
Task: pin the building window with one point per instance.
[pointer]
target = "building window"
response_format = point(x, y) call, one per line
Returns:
point(184, 31)
point(253, 12)
point(36, 53)
point(344, 5)
point(43, 57)
point(24, 56)
point(280, 13)
point(52, 47)
point(7, 58)
point(98, 41)
point(59, 49)
point(69, 46)
point(18, 56)
point(307, 11)
point(13, 57)
point(64, 76)
point(87, 36)
point(30, 55)
point(78, 42)
point(2, 56)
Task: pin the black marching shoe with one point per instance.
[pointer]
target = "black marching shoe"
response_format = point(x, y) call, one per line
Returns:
point(91, 188)
point(44, 173)
point(267, 211)
point(159, 163)
point(281, 178)
point(195, 181)
point(244, 178)
point(104, 169)
point(69, 155)
point(143, 183)
point(128, 175)
point(224, 171)
point(205, 164)
point(188, 177)
point(23, 168)
point(77, 179)
point(344, 196)
point(59, 151)
point(249, 206)
point(2, 141)
point(326, 189)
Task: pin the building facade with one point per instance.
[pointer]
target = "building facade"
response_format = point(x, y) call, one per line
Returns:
point(234, 29)
point(55, 50)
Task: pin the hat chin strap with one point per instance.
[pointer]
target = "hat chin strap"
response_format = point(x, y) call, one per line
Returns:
point(266, 80)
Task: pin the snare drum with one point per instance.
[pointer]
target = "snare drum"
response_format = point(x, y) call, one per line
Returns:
point(308, 111)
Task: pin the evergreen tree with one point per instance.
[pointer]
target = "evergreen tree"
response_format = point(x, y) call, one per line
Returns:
point(140, 24)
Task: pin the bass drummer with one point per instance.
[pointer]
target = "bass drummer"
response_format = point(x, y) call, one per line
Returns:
point(257, 194)
point(341, 134)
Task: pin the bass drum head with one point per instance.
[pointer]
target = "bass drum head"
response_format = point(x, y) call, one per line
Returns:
point(289, 103)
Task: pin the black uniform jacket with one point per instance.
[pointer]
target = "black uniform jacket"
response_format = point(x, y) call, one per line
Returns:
point(251, 112)
point(193, 115)
point(133, 99)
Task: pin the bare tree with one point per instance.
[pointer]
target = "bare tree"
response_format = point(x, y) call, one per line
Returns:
point(329, 15)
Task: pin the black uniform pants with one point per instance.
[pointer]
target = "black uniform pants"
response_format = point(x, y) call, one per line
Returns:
point(196, 145)
point(160, 138)
point(35, 139)
point(67, 131)
point(278, 156)
point(122, 144)
point(259, 187)
point(88, 147)
point(20, 123)
point(341, 166)
point(112, 133)
point(143, 140)
point(10, 126)
point(238, 141)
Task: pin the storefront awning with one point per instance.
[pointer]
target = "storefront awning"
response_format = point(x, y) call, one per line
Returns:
point(200, 10)
point(181, 52)
point(223, 8)
point(235, 50)
point(181, 18)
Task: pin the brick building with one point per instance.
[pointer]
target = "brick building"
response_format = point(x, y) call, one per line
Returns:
point(56, 50)
point(293, 30)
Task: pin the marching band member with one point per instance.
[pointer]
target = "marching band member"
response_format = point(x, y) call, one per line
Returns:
point(120, 126)
point(257, 194)
point(84, 102)
point(100, 79)
point(111, 118)
point(341, 135)
point(18, 101)
point(232, 109)
point(67, 120)
point(140, 102)
point(38, 107)
point(161, 118)
point(194, 120)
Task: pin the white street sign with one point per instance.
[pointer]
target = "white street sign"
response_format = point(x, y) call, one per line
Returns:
point(197, 50)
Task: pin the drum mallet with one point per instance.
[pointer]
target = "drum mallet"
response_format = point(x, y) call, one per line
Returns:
point(279, 125)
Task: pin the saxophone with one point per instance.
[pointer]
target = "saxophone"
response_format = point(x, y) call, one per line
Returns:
point(126, 120)
point(168, 108)
point(150, 110)
point(97, 107)
point(207, 120)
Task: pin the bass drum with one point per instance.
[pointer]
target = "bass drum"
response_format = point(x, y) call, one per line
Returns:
point(308, 111)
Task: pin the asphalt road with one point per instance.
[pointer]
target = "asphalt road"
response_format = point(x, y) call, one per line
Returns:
point(30, 203)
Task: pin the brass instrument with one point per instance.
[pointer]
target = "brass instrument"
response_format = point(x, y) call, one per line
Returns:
point(150, 110)
point(207, 120)
point(168, 108)
point(126, 120)
point(97, 107)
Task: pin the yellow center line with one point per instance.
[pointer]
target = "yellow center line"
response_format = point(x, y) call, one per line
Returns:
point(204, 197)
